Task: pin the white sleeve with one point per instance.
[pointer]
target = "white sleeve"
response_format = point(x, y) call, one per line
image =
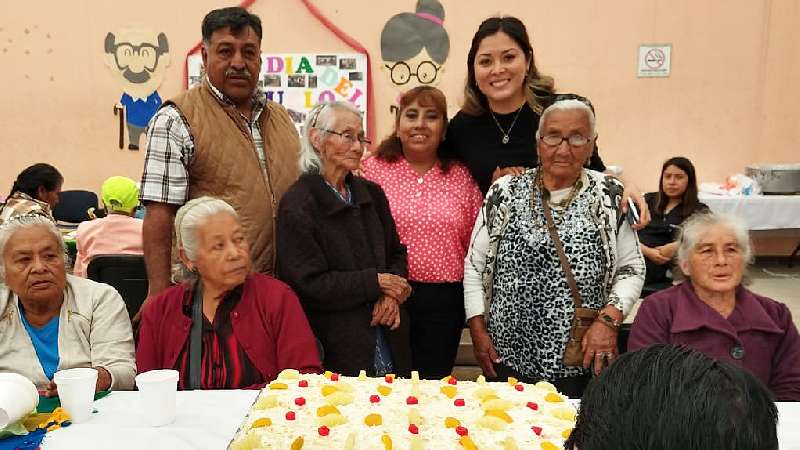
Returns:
point(474, 264)
point(629, 276)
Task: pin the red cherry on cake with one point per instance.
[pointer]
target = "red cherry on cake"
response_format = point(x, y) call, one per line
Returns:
point(334, 377)
point(452, 380)
point(374, 398)
point(537, 430)
point(532, 406)
point(299, 401)
point(302, 383)
point(389, 379)
point(413, 429)
point(519, 387)
point(290, 415)
point(461, 431)
point(411, 400)
point(323, 430)
point(459, 402)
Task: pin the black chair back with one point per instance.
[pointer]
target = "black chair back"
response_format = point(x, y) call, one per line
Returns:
point(74, 206)
point(126, 273)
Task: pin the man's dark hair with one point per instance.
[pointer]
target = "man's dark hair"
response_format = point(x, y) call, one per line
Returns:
point(233, 17)
point(665, 397)
point(38, 175)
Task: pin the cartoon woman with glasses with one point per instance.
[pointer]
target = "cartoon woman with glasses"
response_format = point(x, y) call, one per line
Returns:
point(414, 46)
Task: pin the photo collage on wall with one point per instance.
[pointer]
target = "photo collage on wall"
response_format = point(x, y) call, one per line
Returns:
point(298, 81)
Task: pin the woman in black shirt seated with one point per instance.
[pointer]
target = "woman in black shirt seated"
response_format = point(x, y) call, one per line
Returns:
point(674, 202)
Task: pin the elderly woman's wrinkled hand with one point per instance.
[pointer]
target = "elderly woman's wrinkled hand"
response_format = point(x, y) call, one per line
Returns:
point(599, 346)
point(482, 346)
point(394, 286)
point(386, 312)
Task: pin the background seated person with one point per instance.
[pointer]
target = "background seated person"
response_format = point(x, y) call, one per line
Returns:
point(251, 325)
point(674, 202)
point(51, 321)
point(35, 191)
point(713, 313)
point(116, 234)
point(665, 397)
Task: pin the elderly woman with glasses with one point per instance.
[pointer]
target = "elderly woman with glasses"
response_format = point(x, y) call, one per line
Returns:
point(713, 313)
point(225, 326)
point(338, 248)
point(546, 242)
point(51, 321)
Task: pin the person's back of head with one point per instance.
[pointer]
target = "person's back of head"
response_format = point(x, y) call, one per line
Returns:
point(41, 175)
point(665, 397)
point(120, 195)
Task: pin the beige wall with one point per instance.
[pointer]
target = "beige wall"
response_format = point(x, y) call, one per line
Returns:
point(731, 100)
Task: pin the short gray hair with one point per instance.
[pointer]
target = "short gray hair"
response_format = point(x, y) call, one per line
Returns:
point(189, 218)
point(569, 105)
point(21, 222)
point(322, 117)
point(698, 223)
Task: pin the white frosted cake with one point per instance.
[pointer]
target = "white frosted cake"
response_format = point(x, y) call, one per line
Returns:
point(305, 411)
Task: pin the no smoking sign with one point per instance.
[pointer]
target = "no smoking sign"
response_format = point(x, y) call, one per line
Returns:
point(655, 60)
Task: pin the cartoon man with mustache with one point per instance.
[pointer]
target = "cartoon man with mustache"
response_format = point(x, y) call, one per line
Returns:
point(221, 138)
point(139, 60)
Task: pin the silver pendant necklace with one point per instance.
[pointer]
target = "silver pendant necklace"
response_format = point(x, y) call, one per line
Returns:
point(505, 133)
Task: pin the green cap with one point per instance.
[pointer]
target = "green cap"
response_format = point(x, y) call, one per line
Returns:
point(120, 194)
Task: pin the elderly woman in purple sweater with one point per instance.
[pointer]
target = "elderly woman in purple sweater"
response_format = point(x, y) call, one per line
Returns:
point(713, 313)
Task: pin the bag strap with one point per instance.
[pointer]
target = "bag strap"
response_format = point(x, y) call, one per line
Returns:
point(196, 336)
point(551, 229)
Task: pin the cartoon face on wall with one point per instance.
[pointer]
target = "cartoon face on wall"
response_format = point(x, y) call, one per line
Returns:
point(138, 59)
point(414, 46)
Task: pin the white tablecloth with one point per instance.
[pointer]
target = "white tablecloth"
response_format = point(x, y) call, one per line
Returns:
point(761, 212)
point(205, 420)
point(209, 419)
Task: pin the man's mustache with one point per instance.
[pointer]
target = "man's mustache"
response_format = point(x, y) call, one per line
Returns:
point(238, 73)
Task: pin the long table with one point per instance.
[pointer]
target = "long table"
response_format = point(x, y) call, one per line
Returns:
point(209, 419)
point(761, 212)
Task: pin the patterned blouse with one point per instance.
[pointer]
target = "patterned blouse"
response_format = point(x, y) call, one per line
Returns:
point(434, 214)
point(20, 203)
point(513, 266)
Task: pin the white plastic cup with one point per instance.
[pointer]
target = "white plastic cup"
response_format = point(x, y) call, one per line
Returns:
point(76, 391)
point(157, 390)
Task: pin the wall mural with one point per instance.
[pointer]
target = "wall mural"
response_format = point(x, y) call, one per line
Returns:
point(415, 46)
point(138, 59)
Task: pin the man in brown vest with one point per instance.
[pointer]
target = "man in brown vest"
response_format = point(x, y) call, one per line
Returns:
point(222, 138)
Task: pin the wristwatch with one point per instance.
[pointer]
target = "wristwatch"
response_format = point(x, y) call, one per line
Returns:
point(609, 321)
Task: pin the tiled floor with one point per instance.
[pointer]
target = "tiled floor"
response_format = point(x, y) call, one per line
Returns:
point(768, 277)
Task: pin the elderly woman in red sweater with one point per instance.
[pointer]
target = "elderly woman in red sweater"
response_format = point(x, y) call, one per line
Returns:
point(247, 326)
point(713, 313)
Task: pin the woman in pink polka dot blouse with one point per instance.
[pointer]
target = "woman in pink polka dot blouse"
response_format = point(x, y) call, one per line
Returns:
point(434, 202)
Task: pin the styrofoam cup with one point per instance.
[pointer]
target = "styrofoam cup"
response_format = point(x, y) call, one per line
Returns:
point(157, 390)
point(76, 391)
point(18, 396)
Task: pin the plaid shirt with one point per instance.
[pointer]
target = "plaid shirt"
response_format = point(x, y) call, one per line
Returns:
point(170, 149)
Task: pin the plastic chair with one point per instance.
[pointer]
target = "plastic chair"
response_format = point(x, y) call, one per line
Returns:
point(126, 273)
point(75, 206)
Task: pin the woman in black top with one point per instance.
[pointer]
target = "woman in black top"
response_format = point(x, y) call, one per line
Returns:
point(674, 202)
point(494, 133)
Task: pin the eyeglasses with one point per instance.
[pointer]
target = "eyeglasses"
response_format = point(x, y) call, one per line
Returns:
point(555, 140)
point(401, 72)
point(124, 53)
point(350, 138)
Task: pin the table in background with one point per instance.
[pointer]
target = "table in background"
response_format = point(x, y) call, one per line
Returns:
point(209, 419)
point(762, 213)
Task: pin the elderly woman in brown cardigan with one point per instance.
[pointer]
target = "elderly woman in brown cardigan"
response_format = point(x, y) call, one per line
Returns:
point(339, 250)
